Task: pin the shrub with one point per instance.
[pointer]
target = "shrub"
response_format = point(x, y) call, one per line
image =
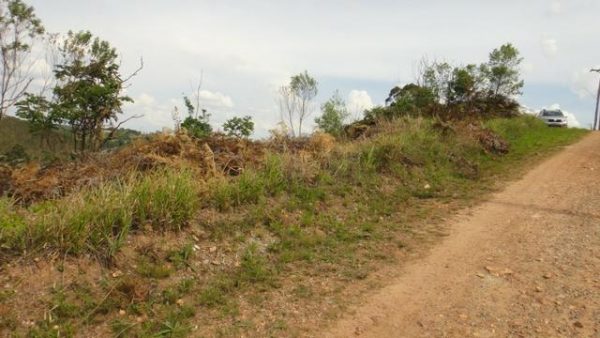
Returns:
point(196, 127)
point(239, 126)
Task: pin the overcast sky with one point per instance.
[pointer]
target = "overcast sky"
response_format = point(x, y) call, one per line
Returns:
point(247, 49)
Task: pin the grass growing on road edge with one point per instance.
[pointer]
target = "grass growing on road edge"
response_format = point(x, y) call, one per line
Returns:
point(285, 224)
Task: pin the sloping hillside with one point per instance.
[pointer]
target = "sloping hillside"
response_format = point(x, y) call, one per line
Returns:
point(14, 131)
point(179, 245)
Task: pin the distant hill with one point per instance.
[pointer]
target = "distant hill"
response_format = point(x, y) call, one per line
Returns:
point(14, 132)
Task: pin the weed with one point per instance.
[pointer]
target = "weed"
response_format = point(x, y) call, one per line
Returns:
point(149, 269)
point(180, 258)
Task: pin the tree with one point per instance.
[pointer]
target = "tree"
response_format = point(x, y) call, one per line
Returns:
point(334, 113)
point(502, 71)
point(89, 93)
point(239, 127)
point(436, 76)
point(411, 99)
point(19, 28)
point(296, 99)
point(288, 108)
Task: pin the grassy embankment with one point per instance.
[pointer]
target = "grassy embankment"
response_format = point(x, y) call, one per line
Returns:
point(280, 230)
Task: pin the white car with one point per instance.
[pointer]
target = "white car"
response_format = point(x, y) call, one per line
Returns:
point(553, 118)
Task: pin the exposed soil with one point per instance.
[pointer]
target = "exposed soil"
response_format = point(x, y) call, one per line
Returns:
point(526, 263)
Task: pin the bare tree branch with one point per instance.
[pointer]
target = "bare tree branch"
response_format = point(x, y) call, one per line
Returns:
point(135, 73)
point(114, 129)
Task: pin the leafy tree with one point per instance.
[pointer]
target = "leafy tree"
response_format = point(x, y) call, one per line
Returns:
point(411, 99)
point(334, 113)
point(466, 84)
point(239, 126)
point(89, 93)
point(502, 71)
point(296, 99)
point(19, 28)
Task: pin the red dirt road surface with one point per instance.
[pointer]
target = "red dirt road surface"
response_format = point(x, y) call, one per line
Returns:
point(526, 263)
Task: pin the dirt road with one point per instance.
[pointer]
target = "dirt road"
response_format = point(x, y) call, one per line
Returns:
point(524, 264)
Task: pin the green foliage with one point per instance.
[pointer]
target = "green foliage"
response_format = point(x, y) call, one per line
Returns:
point(459, 92)
point(89, 94)
point(502, 71)
point(239, 126)
point(15, 155)
point(333, 115)
point(40, 114)
point(196, 127)
point(410, 100)
point(196, 124)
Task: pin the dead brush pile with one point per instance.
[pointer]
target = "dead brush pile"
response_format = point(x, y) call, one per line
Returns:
point(213, 156)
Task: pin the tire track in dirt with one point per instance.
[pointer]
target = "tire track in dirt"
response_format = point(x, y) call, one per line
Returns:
point(526, 263)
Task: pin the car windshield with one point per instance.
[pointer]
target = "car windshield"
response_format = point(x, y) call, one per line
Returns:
point(552, 113)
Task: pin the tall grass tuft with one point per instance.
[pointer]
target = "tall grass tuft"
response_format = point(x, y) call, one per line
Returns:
point(251, 186)
point(165, 199)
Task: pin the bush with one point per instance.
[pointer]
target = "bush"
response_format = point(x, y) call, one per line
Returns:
point(196, 127)
point(16, 155)
point(239, 127)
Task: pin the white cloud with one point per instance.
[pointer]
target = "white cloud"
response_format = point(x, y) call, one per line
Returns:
point(549, 46)
point(359, 101)
point(555, 7)
point(145, 100)
point(215, 100)
point(584, 83)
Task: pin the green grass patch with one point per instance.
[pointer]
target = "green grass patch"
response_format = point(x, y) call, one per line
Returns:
point(97, 220)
